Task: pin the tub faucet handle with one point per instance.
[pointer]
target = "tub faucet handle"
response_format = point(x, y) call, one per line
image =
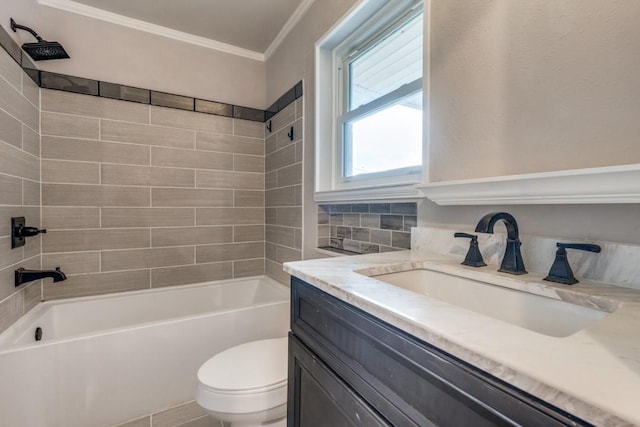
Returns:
point(473, 257)
point(560, 271)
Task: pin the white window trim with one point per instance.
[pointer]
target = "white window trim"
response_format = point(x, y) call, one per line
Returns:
point(329, 183)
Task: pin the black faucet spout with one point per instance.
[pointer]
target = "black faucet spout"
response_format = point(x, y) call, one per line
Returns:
point(23, 275)
point(512, 262)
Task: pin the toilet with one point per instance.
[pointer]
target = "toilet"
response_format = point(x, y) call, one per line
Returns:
point(246, 385)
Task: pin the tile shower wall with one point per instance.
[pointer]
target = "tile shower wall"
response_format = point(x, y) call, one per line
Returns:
point(283, 189)
point(19, 185)
point(137, 196)
point(366, 227)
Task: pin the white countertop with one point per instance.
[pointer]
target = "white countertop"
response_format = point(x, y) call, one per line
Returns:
point(593, 374)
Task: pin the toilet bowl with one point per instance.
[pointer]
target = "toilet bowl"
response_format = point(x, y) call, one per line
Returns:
point(246, 385)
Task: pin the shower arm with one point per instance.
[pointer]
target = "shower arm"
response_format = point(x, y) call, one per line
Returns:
point(15, 26)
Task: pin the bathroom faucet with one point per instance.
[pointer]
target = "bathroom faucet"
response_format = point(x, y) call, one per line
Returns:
point(23, 275)
point(512, 261)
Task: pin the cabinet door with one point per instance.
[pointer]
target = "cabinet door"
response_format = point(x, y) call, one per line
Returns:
point(409, 382)
point(318, 398)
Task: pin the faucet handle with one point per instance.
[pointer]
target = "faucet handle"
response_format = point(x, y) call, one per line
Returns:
point(580, 246)
point(560, 271)
point(473, 257)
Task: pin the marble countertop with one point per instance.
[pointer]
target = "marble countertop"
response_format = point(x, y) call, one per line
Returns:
point(593, 373)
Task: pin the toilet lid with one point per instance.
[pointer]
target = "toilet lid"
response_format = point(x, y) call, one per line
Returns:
point(254, 365)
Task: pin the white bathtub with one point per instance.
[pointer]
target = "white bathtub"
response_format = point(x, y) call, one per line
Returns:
point(108, 359)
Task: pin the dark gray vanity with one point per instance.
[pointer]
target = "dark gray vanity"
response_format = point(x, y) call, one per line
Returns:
point(349, 368)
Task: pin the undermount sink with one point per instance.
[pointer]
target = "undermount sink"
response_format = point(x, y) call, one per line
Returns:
point(544, 315)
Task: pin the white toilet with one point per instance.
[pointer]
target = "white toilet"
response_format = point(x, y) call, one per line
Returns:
point(246, 385)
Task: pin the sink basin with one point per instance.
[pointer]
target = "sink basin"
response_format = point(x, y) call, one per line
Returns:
point(544, 315)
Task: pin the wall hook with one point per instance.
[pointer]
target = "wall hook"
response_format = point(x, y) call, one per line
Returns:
point(269, 127)
point(290, 134)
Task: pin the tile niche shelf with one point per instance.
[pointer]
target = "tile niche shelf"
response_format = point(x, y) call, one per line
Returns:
point(601, 185)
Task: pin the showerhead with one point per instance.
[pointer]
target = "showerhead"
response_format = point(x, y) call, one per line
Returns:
point(42, 49)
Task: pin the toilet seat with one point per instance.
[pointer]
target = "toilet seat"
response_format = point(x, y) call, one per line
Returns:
point(247, 378)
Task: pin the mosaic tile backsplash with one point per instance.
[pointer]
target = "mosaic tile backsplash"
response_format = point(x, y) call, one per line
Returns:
point(365, 228)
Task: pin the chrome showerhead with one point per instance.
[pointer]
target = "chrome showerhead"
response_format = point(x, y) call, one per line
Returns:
point(42, 49)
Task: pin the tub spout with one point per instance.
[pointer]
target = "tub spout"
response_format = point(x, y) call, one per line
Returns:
point(24, 276)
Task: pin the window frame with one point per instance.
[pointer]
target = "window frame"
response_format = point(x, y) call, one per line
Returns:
point(353, 37)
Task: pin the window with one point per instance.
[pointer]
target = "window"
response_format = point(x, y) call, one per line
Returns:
point(372, 64)
point(381, 123)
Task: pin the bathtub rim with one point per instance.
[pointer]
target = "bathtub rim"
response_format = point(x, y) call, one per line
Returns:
point(41, 308)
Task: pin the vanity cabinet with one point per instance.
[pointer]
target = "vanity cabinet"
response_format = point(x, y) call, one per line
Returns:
point(348, 368)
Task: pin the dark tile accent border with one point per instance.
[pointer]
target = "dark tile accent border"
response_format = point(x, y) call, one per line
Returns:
point(68, 83)
point(124, 93)
point(217, 108)
point(48, 80)
point(179, 102)
point(290, 96)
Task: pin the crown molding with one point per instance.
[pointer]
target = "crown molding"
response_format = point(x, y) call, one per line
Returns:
point(611, 184)
point(288, 26)
point(136, 24)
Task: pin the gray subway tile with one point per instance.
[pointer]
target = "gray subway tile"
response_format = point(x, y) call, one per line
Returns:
point(409, 222)
point(147, 176)
point(370, 220)
point(360, 208)
point(10, 130)
point(380, 208)
point(187, 197)
point(352, 220)
point(147, 217)
point(229, 180)
point(229, 143)
point(97, 284)
point(229, 252)
point(249, 267)
point(248, 233)
point(56, 124)
point(145, 134)
point(229, 216)
point(183, 236)
point(93, 151)
point(131, 259)
point(187, 274)
point(382, 237)
point(391, 222)
point(93, 106)
point(248, 163)
point(64, 218)
point(361, 234)
point(404, 208)
point(401, 240)
point(248, 128)
point(193, 159)
point(93, 240)
point(14, 103)
point(247, 198)
point(93, 195)
point(191, 120)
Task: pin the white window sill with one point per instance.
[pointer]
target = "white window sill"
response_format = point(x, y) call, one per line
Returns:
point(396, 192)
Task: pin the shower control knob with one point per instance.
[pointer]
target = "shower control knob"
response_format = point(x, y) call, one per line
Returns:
point(29, 231)
point(19, 231)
